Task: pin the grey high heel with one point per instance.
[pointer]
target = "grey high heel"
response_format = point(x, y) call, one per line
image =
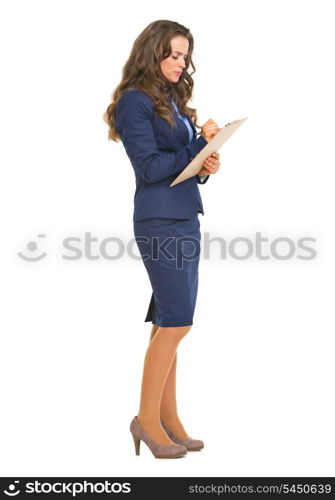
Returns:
point(190, 444)
point(158, 450)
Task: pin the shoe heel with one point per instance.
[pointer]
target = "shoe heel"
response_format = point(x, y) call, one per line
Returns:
point(173, 450)
point(137, 443)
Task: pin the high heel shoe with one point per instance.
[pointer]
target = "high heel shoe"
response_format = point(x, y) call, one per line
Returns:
point(158, 450)
point(190, 444)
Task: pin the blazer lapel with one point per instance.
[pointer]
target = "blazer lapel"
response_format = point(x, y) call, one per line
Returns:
point(182, 126)
point(193, 128)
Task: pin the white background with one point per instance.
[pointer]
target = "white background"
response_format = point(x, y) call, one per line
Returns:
point(256, 371)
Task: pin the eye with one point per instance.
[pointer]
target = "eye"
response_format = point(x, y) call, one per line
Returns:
point(176, 57)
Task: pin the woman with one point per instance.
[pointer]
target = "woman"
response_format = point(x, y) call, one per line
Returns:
point(149, 113)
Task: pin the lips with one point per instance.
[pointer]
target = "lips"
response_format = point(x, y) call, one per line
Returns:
point(178, 72)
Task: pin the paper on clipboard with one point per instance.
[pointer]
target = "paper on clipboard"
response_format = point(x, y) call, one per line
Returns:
point(194, 167)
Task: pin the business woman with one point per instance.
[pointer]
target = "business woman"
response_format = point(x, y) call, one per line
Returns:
point(149, 114)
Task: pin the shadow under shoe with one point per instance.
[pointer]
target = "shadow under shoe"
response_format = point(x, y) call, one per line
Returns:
point(174, 450)
point(190, 444)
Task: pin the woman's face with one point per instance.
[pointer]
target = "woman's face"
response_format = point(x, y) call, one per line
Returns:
point(173, 65)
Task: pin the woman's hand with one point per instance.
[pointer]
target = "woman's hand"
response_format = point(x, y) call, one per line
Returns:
point(211, 165)
point(209, 130)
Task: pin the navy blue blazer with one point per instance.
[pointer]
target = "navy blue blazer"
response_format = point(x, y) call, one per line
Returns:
point(158, 154)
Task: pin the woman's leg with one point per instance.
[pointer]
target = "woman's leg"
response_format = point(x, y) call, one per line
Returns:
point(157, 364)
point(168, 410)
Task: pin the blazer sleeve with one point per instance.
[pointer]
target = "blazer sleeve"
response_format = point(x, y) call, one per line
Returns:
point(134, 111)
point(202, 179)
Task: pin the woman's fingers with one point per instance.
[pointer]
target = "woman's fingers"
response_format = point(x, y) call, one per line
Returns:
point(213, 158)
point(212, 163)
point(209, 129)
point(210, 125)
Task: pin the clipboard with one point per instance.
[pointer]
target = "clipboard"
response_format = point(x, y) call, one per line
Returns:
point(194, 167)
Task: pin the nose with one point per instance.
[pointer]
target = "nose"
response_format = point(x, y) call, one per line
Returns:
point(183, 64)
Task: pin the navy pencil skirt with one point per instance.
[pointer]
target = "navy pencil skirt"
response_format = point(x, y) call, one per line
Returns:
point(170, 251)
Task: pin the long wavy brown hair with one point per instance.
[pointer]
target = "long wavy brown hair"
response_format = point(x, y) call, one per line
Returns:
point(142, 71)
